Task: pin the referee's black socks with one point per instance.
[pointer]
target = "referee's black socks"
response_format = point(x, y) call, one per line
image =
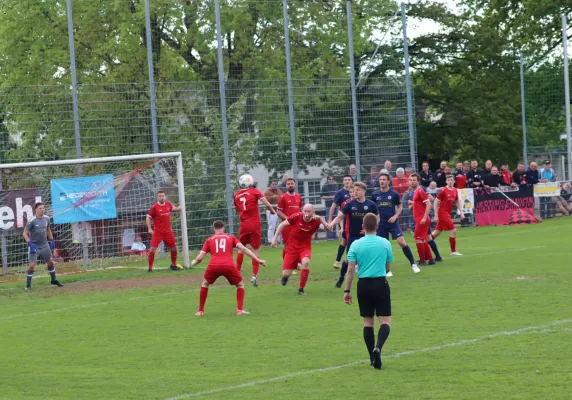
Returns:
point(382, 335)
point(369, 339)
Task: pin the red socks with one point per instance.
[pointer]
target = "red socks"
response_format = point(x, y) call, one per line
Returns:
point(239, 298)
point(421, 251)
point(151, 259)
point(174, 257)
point(255, 268)
point(428, 253)
point(239, 260)
point(304, 278)
point(453, 243)
point(203, 298)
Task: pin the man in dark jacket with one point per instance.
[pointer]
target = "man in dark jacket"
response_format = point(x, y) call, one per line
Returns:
point(519, 175)
point(493, 179)
point(532, 175)
point(474, 176)
point(426, 176)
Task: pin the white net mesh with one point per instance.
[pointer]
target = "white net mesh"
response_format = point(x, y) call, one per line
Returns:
point(97, 212)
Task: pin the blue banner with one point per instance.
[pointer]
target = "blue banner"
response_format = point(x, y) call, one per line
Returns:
point(88, 198)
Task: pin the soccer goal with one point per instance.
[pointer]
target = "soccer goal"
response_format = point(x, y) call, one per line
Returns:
point(97, 208)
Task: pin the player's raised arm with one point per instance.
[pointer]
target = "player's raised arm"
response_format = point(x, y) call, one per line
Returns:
point(336, 220)
point(198, 258)
point(268, 205)
point(249, 253)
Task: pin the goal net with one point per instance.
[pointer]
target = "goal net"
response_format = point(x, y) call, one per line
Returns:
point(97, 209)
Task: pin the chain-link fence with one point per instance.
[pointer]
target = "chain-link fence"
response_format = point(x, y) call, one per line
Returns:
point(214, 79)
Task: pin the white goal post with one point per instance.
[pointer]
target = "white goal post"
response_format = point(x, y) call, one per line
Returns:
point(97, 208)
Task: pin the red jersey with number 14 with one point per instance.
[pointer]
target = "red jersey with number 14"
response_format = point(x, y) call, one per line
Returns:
point(420, 200)
point(246, 203)
point(302, 231)
point(220, 246)
point(161, 215)
point(447, 197)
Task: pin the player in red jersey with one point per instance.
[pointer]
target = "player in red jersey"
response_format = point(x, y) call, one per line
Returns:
point(250, 232)
point(303, 225)
point(289, 203)
point(160, 214)
point(421, 209)
point(220, 246)
point(443, 207)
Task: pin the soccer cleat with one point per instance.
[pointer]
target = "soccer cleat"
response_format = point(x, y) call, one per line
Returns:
point(57, 283)
point(376, 355)
point(438, 259)
point(415, 268)
point(431, 262)
point(421, 264)
point(337, 265)
point(149, 270)
point(301, 291)
point(174, 268)
point(199, 313)
point(242, 312)
point(456, 253)
point(254, 281)
point(339, 283)
point(389, 274)
point(284, 280)
point(294, 272)
point(28, 287)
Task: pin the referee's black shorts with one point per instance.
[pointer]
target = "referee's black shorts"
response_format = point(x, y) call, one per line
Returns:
point(374, 297)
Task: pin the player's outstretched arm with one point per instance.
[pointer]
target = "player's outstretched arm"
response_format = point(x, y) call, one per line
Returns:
point(268, 205)
point(249, 253)
point(176, 209)
point(325, 224)
point(336, 220)
point(198, 259)
point(279, 230)
point(148, 221)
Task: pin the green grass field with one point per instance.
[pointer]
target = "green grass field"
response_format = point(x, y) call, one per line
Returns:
point(494, 324)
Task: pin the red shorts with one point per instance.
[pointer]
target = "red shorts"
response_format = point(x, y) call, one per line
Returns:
point(445, 224)
point(167, 238)
point(231, 274)
point(294, 257)
point(422, 230)
point(286, 234)
point(253, 237)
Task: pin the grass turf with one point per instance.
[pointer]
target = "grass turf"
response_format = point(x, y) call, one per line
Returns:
point(145, 343)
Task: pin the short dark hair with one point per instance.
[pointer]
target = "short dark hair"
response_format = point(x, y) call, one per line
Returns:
point(38, 204)
point(218, 224)
point(450, 176)
point(160, 191)
point(347, 176)
point(385, 174)
point(360, 185)
point(416, 175)
point(425, 162)
point(370, 222)
point(475, 161)
point(290, 179)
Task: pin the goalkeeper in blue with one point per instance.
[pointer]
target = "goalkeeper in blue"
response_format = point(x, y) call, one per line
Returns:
point(41, 243)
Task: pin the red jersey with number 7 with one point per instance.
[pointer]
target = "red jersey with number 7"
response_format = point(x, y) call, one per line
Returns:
point(161, 215)
point(220, 246)
point(246, 203)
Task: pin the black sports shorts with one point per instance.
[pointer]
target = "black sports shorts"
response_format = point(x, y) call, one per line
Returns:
point(374, 297)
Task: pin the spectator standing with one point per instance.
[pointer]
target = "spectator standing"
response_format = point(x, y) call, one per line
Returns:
point(388, 166)
point(474, 176)
point(408, 171)
point(506, 177)
point(458, 169)
point(327, 193)
point(519, 175)
point(493, 179)
point(547, 174)
point(426, 176)
point(488, 169)
point(440, 176)
point(532, 175)
point(353, 172)
point(461, 177)
point(272, 194)
point(400, 183)
point(372, 182)
point(282, 186)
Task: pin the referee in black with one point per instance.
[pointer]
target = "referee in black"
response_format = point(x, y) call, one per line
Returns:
point(374, 256)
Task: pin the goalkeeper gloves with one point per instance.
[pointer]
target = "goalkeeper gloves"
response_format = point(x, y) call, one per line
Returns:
point(52, 244)
point(32, 247)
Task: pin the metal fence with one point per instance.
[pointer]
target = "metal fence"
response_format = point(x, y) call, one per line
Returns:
point(268, 87)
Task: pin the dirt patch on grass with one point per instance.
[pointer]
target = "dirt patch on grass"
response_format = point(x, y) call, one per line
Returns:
point(132, 283)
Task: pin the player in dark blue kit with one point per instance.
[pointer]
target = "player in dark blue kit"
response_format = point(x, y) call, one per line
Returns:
point(339, 198)
point(356, 209)
point(389, 208)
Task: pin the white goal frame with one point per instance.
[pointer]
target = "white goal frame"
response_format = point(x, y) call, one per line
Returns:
point(99, 160)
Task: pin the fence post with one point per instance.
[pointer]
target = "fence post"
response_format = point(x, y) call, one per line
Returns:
point(75, 104)
point(222, 92)
point(409, 90)
point(567, 94)
point(148, 39)
point(523, 107)
point(290, 90)
point(353, 87)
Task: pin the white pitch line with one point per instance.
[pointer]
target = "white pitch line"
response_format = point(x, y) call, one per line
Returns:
point(521, 331)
